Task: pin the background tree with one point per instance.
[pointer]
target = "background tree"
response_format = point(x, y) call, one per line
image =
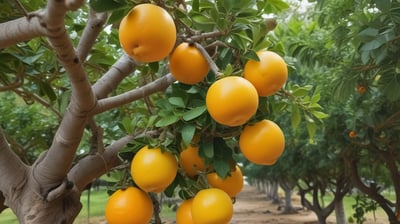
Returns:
point(98, 106)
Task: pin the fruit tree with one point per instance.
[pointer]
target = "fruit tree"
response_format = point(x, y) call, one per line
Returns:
point(106, 87)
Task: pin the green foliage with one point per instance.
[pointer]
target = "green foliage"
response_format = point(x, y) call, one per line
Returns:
point(362, 206)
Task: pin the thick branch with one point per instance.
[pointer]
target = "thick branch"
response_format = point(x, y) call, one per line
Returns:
point(93, 166)
point(19, 30)
point(12, 169)
point(135, 94)
point(55, 165)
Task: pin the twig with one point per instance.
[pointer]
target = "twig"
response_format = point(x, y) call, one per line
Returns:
point(22, 8)
point(209, 60)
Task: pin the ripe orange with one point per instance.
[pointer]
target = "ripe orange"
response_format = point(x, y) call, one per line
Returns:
point(184, 212)
point(130, 205)
point(232, 184)
point(212, 206)
point(268, 75)
point(262, 143)
point(352, 134)
point(361, 89)
point(190, 160)
point(147, 33)
point(187, 64)
point(232, 101)
point(153, 170)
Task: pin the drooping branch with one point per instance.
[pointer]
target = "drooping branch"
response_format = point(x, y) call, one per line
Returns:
point(12, 169)
point(135, 94)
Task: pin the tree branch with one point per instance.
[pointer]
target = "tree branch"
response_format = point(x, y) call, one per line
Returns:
point(12, 169)
point(93, 166)
point(92, 29)
point(135, 94)
point(51, 170)
point(111, 79)
point(19, 30)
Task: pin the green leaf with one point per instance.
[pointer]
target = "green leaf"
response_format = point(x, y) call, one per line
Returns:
point(168, 120)
point(222, 167)
point(176, 101)
point(383, 5)
point(251, 55)
point(368, 34)
point(319, 114)
point(188, 132)
point(295, 116)
point(207, 150)
point(105, 5)
point(228, 70)
point(193, 113)
point(311, 128)
point(64, 100)
point(46, 89)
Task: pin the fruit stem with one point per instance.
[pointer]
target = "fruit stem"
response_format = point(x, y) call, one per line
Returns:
point(209, 60)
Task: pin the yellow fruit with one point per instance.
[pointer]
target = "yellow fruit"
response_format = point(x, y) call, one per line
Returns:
point(268, 75)
point(232, 184)
point(127, 206)
point(153, 170)
point(232, 101)
point(184, 212)
point(262, 143)
point(187, 64)
point(190, 161)
point(147, 33)
point(212, 206)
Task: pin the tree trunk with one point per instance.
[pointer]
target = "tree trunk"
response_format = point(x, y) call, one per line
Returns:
point(288, 187)
point(339, 212)
point(272, 192)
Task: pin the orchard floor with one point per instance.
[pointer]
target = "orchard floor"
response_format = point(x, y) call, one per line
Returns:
point(252, 207)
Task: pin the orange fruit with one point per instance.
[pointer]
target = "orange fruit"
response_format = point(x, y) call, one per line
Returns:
point(352, 134)
point(232, 184)
point(147, 33)
point(130, 205)
point(268, 75)
point(361, 89)
point(153, 170)
point(262, 143)
point(187, 64)
point(190, 161)
point(232, 101)
point(212, 206)
point(184, 212)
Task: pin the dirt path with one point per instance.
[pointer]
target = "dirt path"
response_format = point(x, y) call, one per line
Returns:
point(252, 207)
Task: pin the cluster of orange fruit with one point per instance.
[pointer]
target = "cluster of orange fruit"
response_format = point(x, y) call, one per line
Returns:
point(148, 34)
point(153, 170)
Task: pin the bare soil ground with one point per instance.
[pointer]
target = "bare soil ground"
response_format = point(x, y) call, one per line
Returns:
point(252, 207)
